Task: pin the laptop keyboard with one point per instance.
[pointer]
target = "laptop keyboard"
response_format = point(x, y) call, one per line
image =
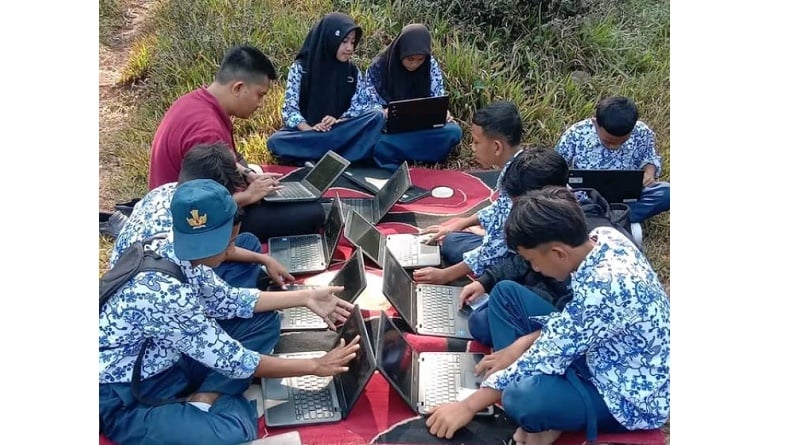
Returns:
point(292, 190)
point(407, 253)
point(301, 316)
point(361, 206)
point(311, 396)
point(445, 381)
point(305, 255)
point(438, 309)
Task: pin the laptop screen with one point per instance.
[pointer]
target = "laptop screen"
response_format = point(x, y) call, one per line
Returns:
point(364, 235)
point(325, 171)
point(395, 357)
point(393, 189)
point(361, 367)
point(351, 277)
point(334, 227)
point(398, 286)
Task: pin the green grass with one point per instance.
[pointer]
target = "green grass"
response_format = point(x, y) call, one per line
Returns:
point(621, 48)
point(110, 19)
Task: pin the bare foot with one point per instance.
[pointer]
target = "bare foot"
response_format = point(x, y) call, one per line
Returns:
point(547, 437)
point(204, 397)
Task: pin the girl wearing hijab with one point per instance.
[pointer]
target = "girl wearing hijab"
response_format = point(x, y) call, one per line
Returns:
point(407, 70)
point(326, 103)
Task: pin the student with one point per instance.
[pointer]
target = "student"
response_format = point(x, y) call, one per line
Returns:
point(203, 116)
point(326, 104)
point(151, 216)
point(615, 139)
point(200, 349)
point(407, 70)
point(602, 363)
point(496, 138)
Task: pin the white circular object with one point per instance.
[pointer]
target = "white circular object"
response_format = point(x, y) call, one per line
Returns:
point(442, 192)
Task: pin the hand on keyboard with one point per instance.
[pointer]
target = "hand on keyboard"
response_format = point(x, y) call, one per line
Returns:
point(277, 272)
point(328, 306)
point(470, 293)
point(335, 361)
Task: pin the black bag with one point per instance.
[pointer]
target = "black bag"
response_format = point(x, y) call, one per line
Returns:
point(599, 212)
point(137, 258)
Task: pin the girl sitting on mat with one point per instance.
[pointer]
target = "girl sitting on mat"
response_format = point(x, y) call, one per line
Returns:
point(326, 105)
point(407, 70)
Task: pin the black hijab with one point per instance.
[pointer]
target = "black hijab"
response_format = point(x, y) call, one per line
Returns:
point(395, 81)
point(327, 84)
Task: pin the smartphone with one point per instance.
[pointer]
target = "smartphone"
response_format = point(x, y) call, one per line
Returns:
point(413, 193)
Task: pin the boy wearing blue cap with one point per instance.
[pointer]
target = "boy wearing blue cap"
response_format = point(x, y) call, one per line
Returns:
point(201, 348)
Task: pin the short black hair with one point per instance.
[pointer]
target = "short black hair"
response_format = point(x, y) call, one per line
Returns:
point(245, 63)
point(549, 214)
point(500, 119)
point(535, 168)
point(212, 161)
point(617, 115)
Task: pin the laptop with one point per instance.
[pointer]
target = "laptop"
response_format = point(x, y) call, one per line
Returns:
point(408, 248)
point(428, 309)
point(311, 399)
point(425, 379)
point(310, 253)
point(613, 185)
point(314, 184)
point(374, 209)
point(351, 277)
point(416, 114)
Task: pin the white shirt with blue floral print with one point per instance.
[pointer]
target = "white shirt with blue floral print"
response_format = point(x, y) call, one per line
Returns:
point(618, 320)
point(582, 149)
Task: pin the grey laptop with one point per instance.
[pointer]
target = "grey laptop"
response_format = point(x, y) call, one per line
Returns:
point(312, 399)
point(428, 309)
point(310, 253)
point(425, 379)
point(409, 249)
point(374, 209)
point(613, 185)
point(314, 184)
point(416, 114)
point(351, 276)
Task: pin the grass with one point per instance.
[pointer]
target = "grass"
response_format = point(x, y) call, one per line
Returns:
point(110, 19)
point(555, 73)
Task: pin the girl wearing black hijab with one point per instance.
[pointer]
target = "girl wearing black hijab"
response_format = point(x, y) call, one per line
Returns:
point(407, 70)
point(326, 103)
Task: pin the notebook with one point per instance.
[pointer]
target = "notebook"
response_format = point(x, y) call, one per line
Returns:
point(312, 399)
point(351, 276)
point(614, 185)
point(314, 184)
point(425, 379)
point(416, 114)
point(428, 309)
point(409, 249)
point(374, 209)
point(310, 253)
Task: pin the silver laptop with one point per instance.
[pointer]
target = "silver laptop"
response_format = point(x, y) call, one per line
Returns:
point(314, 184)
point(310, 253)
point(408, 248)
point(351, 277)
point(614, 185)
point(374, 209)
point(429, 309)
point(425, 379)
point(312, 399)
point(416, 114)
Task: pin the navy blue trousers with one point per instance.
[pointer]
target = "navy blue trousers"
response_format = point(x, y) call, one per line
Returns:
point(432, 145)
point(654, 200)
point(241, 274)
point(455, 244)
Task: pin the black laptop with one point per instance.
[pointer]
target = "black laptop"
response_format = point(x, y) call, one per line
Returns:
point(416, 114)
point(614, 185)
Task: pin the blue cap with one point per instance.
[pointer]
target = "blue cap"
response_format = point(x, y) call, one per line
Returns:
point(203, 212)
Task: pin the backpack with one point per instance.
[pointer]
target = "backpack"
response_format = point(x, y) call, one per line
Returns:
point(599, 212)
point(134, 260)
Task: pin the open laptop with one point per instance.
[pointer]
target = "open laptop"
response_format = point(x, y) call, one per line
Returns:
point(428, 309)
point(312, 399)
point(416, 114)
point(374, 209)
point(425, 379)
point(351, 276)
point(408, 248)
point(310, 253)
point(314, 184)
point(613, 185)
